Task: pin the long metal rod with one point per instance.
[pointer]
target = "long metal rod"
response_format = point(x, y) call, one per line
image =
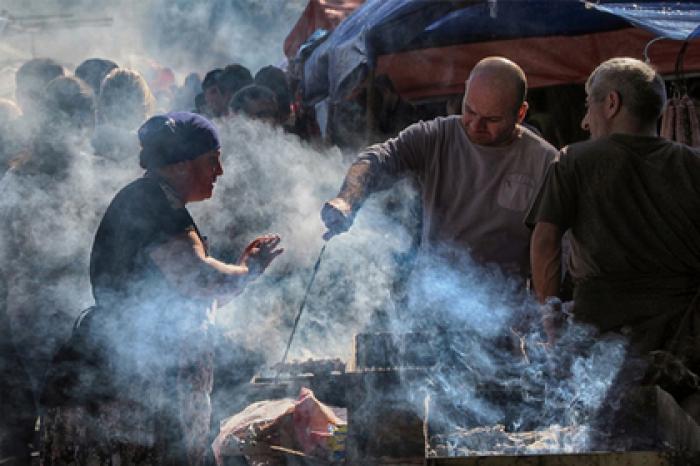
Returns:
point(301, 309)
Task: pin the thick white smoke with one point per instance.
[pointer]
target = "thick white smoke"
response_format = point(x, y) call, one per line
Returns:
point(274, 183)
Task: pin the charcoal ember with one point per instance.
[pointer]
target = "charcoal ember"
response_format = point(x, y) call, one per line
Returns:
point(496, 440)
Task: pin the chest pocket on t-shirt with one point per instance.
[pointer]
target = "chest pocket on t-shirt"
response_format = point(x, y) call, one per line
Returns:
point(516, 191)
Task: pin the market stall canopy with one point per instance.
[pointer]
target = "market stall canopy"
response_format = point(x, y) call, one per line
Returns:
point(318, 14)
point(427, 48)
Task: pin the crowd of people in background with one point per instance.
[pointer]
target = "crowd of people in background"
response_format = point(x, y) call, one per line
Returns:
point(123, 98)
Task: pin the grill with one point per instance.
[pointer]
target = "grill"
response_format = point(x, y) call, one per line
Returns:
point(388, 424)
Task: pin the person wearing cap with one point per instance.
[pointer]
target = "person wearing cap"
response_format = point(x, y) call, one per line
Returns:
point(145, 364)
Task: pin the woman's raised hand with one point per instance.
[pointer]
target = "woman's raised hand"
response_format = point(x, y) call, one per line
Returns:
point(260, 253)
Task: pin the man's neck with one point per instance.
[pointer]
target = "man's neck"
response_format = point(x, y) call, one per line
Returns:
point(634, 128)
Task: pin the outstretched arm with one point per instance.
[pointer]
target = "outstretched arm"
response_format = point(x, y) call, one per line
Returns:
point(338, 213)
point(184, 263)
point(374, 170)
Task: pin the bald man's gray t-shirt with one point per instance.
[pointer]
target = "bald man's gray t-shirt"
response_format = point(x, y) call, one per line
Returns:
point(474, 197)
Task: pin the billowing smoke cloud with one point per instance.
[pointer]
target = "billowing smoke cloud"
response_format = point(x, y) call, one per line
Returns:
point(496, 386)
point(274, 183)
point(51, 207)
point(186, 35)
point(212, 33)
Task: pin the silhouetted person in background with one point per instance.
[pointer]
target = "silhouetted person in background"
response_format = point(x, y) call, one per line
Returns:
point(30, 83)
point(219, 86)
point(17, 411)
point(274, 79)
point(9, 140)
point(124, 103)
point(211, 94)
point(185, 95)
point(31, 80)
point(200, 104)
point(257, 103)
point(93, 70)
point(40, 208)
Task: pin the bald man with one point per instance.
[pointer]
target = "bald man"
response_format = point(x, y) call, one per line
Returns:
point(478, 172)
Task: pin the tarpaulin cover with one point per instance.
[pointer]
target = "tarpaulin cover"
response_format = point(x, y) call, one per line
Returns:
point(318, 14)
point(387, 27)
point(676, 20)
point(441, 71)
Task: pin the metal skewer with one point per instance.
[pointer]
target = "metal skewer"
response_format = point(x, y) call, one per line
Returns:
point(301, 309)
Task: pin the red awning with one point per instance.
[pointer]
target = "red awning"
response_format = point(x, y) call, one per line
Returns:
point(319, 14)
point(547, 61)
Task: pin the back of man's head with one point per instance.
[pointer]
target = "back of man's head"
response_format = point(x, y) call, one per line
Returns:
point(69, 104)
point(93, 71)
point(211, 78)
point(256, 102)
point(641, 89)
point(125, 99)
point(193, 82)
point(233, 78)
point(31, 80)
point(274, 79)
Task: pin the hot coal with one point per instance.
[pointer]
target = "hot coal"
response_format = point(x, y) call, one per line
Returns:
point(495, 440)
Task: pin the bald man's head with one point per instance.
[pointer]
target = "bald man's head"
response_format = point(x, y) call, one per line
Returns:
point(504, 73)
point(494, 101)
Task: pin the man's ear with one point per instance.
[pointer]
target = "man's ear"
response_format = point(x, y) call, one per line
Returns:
point(522, 111)
point(613, 104)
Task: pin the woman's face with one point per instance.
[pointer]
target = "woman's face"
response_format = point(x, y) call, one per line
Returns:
point(202, 174)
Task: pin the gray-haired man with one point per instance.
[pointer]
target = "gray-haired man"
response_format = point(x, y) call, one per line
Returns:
point(631, 201)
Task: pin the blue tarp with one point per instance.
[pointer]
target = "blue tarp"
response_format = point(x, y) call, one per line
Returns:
point(675, 20)
point(381, 27)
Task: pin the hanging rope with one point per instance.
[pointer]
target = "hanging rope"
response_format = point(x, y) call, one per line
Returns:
point(645, 53)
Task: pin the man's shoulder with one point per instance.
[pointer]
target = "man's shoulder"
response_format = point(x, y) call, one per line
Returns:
point(438, 124)
point(535, 143)
point(615, 144)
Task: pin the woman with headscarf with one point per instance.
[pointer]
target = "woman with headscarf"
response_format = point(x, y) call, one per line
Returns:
point(133, 383)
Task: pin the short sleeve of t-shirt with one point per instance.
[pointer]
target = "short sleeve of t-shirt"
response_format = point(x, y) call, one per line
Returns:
point(556, 200)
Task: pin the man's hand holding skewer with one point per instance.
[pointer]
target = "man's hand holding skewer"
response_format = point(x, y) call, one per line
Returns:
point(337, 214)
